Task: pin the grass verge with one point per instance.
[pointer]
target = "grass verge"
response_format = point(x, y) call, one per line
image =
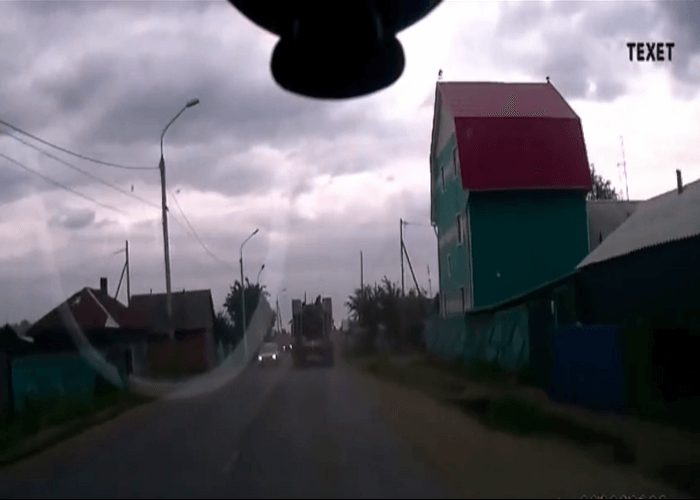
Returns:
point(43, 425)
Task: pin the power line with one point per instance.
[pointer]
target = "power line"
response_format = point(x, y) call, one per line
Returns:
point(60, 185)
point(194, 233)
point(84, 172)
point(73, 153)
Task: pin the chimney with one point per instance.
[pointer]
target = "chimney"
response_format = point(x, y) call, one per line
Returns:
point(103, 285)
point(679, 181)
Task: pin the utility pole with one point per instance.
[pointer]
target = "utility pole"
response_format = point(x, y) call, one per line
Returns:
point(243, 311)
point(403, 289)
point(164, 210)
point(126, 270)
point(279, 320)
point(362, 287)
point(166, 246)
point(245, 340)
point(128, 276)
point(430, 283)
point(410, 267)
point(362, 274)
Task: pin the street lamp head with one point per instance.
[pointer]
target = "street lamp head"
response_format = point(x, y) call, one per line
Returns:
point(192, 102)
point(256, 231)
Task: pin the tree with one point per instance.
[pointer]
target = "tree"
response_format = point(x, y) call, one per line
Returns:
point(232, 306)
point(401, 317)
point(223, 329)
point(602, 189)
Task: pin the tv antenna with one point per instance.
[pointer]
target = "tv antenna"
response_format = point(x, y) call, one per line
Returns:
point(623, 164)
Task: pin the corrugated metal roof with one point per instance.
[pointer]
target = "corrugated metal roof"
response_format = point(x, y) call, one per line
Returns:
point(500, 99)
point(605, 216)
point(665, 218)
point(192, 310)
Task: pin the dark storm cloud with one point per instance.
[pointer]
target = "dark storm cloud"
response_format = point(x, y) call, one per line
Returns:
point(122, 69)
point(14, 183)
point(75, 219)
point(582, 43)
point(683, 28)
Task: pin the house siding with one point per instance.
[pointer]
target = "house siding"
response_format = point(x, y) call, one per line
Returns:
point(448, 204)
point(660, 281)
point(522, 239)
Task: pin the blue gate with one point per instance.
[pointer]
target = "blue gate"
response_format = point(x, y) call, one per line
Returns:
point(588, 367)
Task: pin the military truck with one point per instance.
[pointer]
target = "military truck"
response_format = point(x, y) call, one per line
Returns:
point(312, 325)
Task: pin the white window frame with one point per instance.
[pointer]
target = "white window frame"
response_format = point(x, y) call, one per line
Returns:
point(455, 161)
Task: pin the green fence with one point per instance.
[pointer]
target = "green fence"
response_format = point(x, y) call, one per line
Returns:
point(46, 377)
point(499, 338)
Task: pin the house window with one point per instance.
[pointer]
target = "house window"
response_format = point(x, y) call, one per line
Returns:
point(464, 298)
point(455, 161)
point(449, 266)
point(460, 229)
point(442, 175)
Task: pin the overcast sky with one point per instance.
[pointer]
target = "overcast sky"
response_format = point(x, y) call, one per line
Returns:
point(321, 179)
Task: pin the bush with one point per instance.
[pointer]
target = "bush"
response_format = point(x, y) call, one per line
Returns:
point(382, 308)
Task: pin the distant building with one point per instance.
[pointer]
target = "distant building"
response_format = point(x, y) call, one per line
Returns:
point(102, 320)
point(87, 343)
point(605, 216)
point(194, 349)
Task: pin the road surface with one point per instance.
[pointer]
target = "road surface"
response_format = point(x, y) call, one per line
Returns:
point(276, 432)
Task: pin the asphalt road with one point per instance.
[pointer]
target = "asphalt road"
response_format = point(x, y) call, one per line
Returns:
point(273, 432)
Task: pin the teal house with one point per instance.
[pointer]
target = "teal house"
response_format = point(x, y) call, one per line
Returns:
point(509, 178)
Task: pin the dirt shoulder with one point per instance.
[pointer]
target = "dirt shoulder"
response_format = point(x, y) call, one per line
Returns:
point(478, 461)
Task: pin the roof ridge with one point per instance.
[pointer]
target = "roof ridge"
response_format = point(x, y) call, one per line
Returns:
point(198, 290)
point(498, 82)
point(694, 184)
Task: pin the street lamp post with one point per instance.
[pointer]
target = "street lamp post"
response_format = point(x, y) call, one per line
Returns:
point(245, 340)
point(164, 208)
point(277, 306)
point(257, 279)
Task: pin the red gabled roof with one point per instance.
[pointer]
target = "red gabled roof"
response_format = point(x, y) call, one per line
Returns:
point(516, 136)
point(508, 100)
point(91, 309)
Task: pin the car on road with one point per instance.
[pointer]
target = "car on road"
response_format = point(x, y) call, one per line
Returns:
point(269, 354)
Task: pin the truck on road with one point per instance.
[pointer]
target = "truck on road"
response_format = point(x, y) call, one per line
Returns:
point(312, 325)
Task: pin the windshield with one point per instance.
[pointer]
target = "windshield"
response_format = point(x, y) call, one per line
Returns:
point(201, 203)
